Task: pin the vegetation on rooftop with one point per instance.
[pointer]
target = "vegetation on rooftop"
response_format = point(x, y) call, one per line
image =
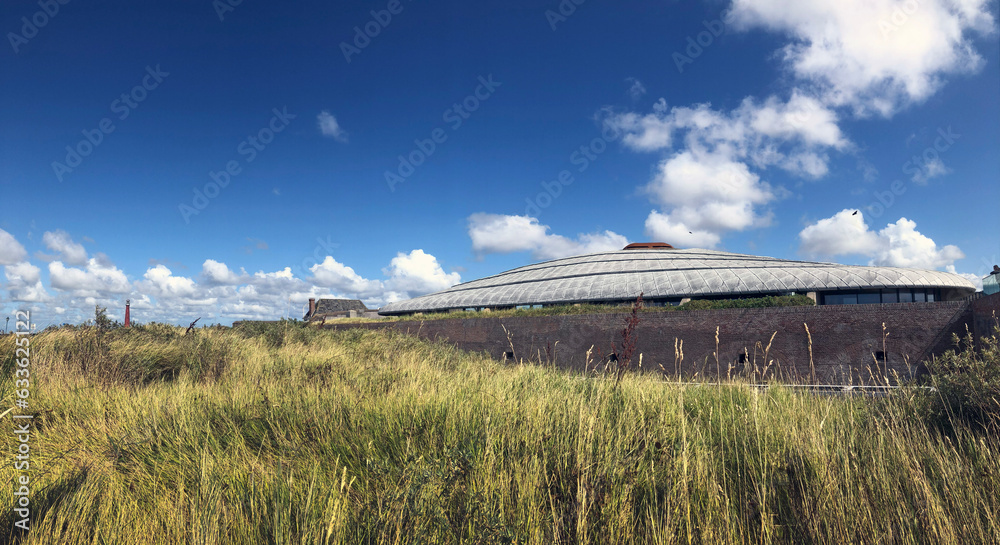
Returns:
point(589, 308)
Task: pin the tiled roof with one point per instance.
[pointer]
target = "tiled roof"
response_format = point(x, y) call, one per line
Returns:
point(327, 306)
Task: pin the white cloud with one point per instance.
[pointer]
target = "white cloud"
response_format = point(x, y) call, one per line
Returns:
point(706, 187)
point(897, 245)
point(844, 233)
point(329, 126)
point(636, 88)
point(11, 250)
point(664, 228)
point(160, 282)
point(214, 272)
point(69, 252)
point(99, 278)
point(875, 56)
point(24, 283)
point(931, 169)
point(502, 234)
point(418, 273)
point(341, 278)
point(767, 133)
point(709, 191)
point(904, 246)
point(498, 233)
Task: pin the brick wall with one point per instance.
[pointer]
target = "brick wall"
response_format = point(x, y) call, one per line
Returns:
point(985, 312)
point(844, 338)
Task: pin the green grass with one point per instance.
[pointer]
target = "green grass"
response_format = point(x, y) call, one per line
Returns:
point(587, 308)
point(305, 436)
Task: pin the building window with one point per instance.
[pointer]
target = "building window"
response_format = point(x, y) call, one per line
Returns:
point(833, 299)
point(874, 297)
point(869, 298)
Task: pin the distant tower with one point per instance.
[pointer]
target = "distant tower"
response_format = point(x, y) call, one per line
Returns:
point(127, 319)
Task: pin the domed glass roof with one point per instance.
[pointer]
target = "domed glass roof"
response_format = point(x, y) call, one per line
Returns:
point(664, 273)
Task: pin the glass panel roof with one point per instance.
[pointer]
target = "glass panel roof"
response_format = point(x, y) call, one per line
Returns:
point(675, 273)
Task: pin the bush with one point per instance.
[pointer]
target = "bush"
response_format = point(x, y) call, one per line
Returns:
point(756, 302)
point(277, 334)
point(966, 382)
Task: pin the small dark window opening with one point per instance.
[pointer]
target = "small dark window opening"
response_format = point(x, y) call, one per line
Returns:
point(879, 355)
point(509, 355)
point(743, 357)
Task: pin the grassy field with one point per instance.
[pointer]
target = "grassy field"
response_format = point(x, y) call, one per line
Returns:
point(293, 435)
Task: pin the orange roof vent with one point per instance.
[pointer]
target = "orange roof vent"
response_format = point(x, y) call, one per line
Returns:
point(648, 246)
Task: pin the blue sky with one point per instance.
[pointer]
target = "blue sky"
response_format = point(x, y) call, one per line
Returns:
point(383, 150)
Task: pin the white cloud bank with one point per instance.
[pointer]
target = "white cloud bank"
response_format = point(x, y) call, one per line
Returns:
point(502, 234)
point(11, 251)
point(217, 294)
point(873, 56)
point(706, 186)
point(897, 245)
point(67, 251)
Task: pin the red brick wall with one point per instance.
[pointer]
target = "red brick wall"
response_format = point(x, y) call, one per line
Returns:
point(844, 338)
point(986, 311)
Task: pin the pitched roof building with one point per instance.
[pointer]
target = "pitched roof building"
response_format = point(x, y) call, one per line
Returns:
point(326, 309)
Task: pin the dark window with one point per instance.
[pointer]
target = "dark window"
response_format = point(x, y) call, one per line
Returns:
point(880, 356)
point(833, 299)
point(931, 296)
point(890, 296)
point(919, 296)
point(869, 298)
point(743, 357)
point(850, 299)
point(905, 296)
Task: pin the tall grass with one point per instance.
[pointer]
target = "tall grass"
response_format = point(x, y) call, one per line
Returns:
point(302, 436)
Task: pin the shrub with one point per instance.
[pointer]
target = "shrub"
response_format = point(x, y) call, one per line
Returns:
point(277, 334)
point(966, 382)
point(756, 302)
